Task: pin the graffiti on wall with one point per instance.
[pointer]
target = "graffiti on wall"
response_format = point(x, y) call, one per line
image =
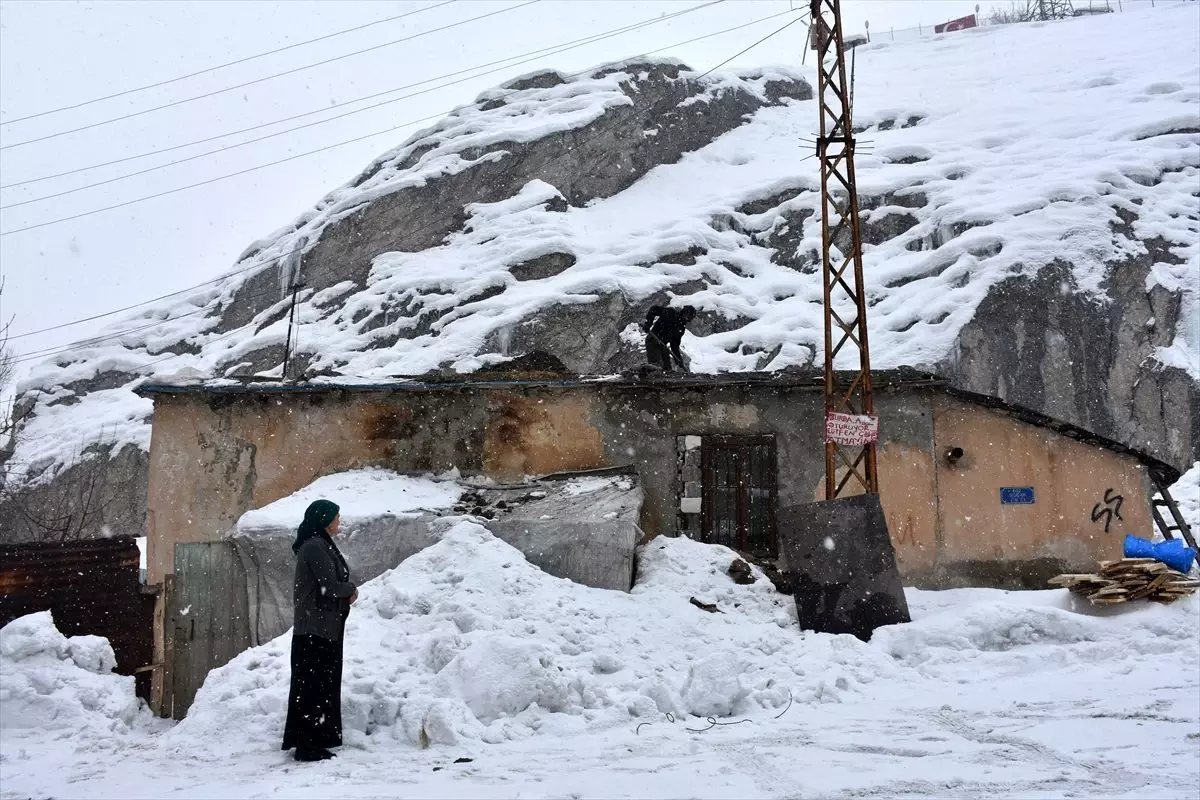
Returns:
point(1109, 509)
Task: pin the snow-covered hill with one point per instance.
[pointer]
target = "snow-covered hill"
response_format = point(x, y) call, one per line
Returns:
point(1031, 195)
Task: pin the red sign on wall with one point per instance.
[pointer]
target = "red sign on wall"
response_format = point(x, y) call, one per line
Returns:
point(962, 23)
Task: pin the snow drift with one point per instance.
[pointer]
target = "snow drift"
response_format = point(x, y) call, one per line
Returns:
point(52, 686)
point(466, 641)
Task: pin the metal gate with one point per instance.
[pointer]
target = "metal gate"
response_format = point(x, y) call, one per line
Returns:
point(207, 618)
point(738, 489)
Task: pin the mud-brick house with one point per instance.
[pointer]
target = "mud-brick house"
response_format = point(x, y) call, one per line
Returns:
point(976, 492)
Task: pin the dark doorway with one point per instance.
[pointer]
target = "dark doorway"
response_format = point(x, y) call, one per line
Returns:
point(738, 491)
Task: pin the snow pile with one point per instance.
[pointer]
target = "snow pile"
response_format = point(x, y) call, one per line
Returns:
point(1186, 492)
point(468, 641)
point(58, 687)
point(977, 626)
point(996, 172)
point(361, 494)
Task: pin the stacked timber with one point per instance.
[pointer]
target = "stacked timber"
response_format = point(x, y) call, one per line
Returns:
point(1129, 579)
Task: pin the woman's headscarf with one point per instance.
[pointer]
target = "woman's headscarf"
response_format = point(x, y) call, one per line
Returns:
point(316, 519)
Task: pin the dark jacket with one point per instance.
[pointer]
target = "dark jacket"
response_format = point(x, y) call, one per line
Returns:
point(667, 325)
point(321, 590)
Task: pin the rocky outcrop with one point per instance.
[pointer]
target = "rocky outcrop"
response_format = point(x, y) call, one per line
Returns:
point(594, 161)
point(1084, 360)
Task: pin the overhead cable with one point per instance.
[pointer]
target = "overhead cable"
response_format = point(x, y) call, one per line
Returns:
point(216, 67)
point(563, 152)
point(265, 78)
point(347, 142)
point(537, 55)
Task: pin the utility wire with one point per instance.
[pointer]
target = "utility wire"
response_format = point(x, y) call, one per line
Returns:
point(564, 152)
point(94, 317)
point(265, 78)
point(585, 40)
point(751, 47)
point(536, 55)
point(93, 341)
point(226, 64)
point(354, 140)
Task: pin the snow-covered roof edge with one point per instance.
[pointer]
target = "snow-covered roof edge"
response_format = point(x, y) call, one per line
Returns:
point(902, 379)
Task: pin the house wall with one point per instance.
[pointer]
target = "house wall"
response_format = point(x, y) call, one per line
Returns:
point(214, 457)
point(984, 542)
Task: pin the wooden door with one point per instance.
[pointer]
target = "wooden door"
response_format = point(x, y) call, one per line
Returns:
point(206, 617)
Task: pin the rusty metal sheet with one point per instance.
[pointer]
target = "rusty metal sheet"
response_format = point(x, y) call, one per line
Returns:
point(89, 587)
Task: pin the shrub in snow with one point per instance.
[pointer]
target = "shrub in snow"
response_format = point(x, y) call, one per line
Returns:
point(62, 687)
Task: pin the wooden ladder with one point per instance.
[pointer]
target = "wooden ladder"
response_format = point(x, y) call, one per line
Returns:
point(1164, 500)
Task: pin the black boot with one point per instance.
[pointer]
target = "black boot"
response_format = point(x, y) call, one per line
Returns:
point(313, 754)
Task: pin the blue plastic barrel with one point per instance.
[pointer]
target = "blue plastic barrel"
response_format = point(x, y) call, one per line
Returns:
point(1173, 552)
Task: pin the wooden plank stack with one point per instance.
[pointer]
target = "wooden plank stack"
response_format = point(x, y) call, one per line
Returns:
point(1128, 579)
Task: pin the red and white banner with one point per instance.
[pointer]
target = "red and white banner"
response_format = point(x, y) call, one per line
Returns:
point(962, 23)
point(851, 429)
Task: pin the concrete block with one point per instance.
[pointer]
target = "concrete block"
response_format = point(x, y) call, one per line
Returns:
point(690, 505)
point(691, 442)
point(692, 489)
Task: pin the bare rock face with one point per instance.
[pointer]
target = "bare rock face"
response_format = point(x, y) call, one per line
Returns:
point(595, 161)
point(1039, 343)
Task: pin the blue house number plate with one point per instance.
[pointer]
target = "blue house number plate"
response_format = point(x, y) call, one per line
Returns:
point(1016, 495)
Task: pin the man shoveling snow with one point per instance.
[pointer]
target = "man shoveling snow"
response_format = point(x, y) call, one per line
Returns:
point(664, 331)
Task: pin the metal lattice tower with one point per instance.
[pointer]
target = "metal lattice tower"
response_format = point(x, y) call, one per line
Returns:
point(1050, 9)
point(848, 469)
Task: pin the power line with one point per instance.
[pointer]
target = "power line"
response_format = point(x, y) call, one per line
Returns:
point(565, 151)
point(116, 311)
point(537, 55)
point(756, 44)
point(93, 341)
point(226, 64)
point(266, 78)
point(346, 142)
point(584, 40)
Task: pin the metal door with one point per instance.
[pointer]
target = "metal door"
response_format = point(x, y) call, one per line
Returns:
point(738, 489)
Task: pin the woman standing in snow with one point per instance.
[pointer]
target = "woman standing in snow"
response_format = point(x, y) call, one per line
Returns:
point(322, 596)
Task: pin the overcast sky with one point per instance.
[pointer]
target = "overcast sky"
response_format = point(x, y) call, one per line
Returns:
point(55, 54)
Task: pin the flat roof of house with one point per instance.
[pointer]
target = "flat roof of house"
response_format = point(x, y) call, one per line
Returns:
point(903, 379)
point(881, 379)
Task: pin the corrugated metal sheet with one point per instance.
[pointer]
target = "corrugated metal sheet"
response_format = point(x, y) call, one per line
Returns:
point(90, 587)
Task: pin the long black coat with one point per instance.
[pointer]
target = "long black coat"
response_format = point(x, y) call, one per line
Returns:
point(321, 590)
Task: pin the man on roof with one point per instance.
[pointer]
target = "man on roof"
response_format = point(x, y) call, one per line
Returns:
point(664, 329)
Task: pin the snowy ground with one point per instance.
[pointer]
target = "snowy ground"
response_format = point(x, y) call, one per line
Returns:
point(552, 689)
